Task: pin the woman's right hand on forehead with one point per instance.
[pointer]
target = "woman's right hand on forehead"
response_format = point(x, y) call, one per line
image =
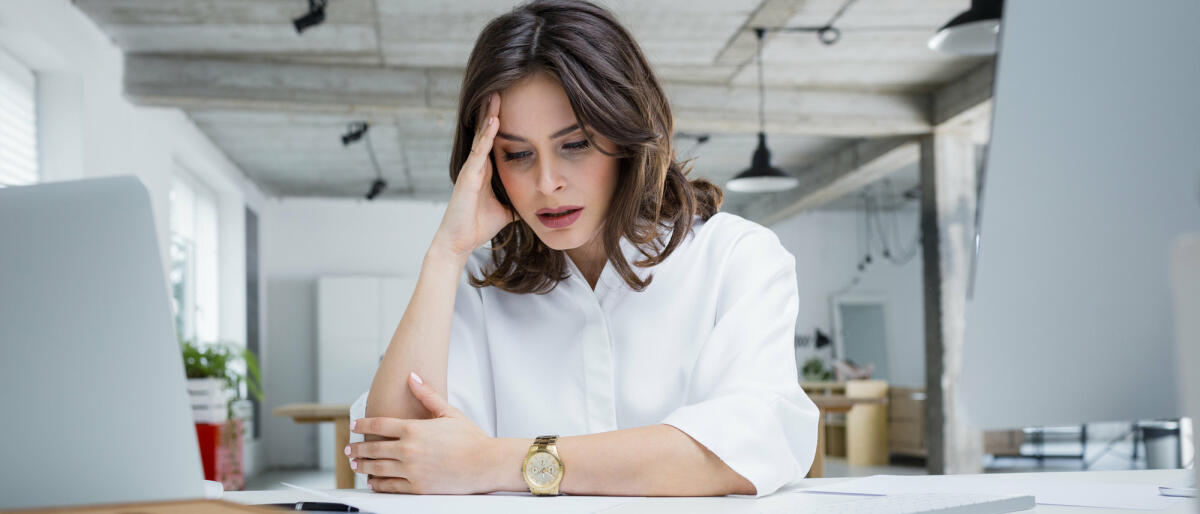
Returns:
point(474, 215)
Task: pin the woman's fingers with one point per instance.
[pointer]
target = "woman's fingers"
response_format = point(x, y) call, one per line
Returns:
point(489, 124)
point(394, 449)
point(482, 147)
point(391, 485)
point(379, 467)
point(389, 427)
point(491, 108)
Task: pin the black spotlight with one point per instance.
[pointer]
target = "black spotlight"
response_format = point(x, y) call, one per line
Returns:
point(314, 16)
point(354, 132)
point(376, 187)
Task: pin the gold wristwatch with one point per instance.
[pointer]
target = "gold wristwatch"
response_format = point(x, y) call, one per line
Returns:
point(542, 469)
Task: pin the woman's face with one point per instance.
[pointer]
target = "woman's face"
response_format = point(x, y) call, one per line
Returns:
point(546, 164)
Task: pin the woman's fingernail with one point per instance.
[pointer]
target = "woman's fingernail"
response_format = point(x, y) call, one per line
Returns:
point(353, 464)
point(417, 378)
point(347, 450)
point(352, 423)
point(491, 120)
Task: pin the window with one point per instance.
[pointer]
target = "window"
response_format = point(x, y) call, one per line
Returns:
point(193, 256)
point(18, 124)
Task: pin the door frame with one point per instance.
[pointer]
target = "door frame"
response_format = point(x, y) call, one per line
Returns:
point(857, 298)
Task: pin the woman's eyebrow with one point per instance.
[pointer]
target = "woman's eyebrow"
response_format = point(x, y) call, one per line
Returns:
point(555, 135)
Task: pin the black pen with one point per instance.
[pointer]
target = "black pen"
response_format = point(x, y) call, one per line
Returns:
point(325, 506)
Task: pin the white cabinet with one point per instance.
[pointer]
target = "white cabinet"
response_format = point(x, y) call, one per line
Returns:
point(356, 316)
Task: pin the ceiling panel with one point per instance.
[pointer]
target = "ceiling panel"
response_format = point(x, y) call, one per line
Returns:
point(296, 152)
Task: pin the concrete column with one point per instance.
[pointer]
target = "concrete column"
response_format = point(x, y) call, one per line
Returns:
point(948, 199)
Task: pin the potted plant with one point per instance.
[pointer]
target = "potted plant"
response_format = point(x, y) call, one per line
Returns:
point(215, 376)
point(814, 370)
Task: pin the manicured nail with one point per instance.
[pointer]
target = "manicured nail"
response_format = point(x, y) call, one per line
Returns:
point(417, 378)
point(491, 120)
point(352, 423)
point(347, 450)
point(353, 464)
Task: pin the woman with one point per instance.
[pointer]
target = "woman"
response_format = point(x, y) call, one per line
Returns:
point(614, 307)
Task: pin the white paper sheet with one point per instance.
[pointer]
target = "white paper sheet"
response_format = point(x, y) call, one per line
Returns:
point(494, 503)
point(1047, 491)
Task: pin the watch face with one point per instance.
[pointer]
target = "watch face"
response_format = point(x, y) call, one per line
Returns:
point(542, 468)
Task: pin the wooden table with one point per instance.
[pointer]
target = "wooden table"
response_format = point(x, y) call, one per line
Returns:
point(339, 414)
point(825, 387)
point(827, 403)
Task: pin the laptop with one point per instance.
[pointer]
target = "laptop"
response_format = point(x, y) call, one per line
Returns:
point(92, 388)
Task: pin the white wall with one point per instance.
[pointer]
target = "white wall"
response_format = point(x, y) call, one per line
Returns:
point(303, 239)
point(827, 248)
point(88, 129)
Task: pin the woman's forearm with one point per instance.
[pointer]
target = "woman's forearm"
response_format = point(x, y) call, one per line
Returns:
point(655, 460)
point(421, 342)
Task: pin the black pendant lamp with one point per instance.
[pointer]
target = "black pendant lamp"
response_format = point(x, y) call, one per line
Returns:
point(761, 177)
point(973, 32)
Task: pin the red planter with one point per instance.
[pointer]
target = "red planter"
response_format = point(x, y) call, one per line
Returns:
point(221, 452)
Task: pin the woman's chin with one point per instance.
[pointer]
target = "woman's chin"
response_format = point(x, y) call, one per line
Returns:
point(561, 239)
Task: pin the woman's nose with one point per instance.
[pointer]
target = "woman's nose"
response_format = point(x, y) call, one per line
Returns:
point(549, 180)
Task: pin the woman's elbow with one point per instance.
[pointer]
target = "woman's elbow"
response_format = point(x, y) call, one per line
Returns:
point(741, 485)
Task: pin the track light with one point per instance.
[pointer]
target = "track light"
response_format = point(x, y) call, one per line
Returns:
point(314, 16)
point(354, 132)
point(376, 187)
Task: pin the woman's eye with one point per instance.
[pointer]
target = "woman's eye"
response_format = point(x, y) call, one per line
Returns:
point(578, 145)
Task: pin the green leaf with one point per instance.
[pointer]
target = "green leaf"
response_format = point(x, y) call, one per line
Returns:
point(216, 360)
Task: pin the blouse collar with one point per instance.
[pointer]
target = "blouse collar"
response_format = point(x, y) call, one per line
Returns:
point(610, 279)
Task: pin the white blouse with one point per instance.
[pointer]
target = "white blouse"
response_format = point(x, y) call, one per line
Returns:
point(707, 348)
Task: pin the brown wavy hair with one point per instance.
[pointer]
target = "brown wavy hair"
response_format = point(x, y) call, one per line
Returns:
point(612, 90)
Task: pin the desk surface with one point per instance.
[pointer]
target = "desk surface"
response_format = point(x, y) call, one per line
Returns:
point(1171, 477)
point(841, 402)
point(313, 410)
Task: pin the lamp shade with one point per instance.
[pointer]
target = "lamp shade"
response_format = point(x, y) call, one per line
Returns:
point(761, 177)
point(973, 32)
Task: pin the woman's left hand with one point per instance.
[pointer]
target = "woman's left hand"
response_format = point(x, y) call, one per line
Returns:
point(448, 454)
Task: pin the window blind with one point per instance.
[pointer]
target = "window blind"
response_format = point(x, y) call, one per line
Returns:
point(18, 124)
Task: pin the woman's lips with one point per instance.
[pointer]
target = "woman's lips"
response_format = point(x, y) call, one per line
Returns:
point(559, 221)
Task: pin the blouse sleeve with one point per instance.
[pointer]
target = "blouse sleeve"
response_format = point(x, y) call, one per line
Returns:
point(744, 398)
point(469, 366)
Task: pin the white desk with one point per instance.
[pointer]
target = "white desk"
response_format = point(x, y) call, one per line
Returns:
point(741, 504)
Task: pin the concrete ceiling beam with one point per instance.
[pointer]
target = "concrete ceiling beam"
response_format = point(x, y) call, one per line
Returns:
point(206, 83)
